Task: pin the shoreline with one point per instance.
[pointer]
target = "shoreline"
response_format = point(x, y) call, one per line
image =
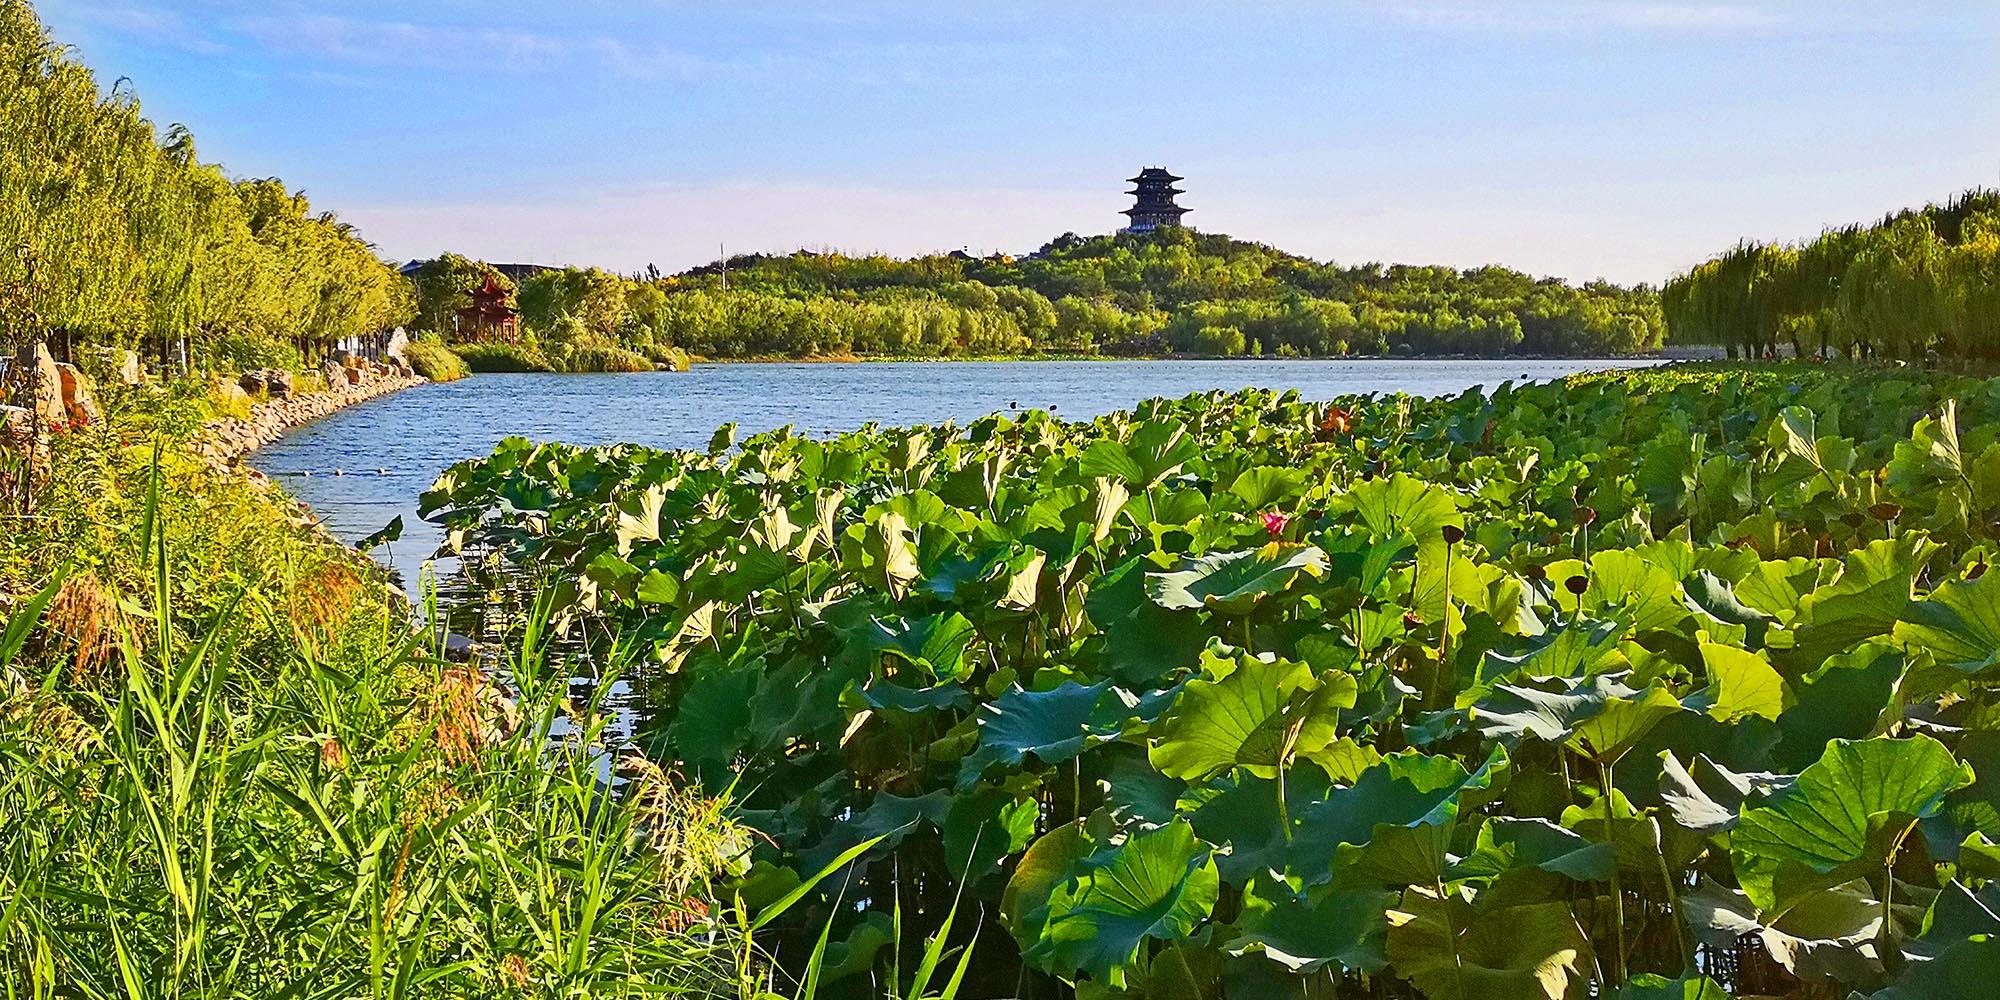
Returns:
point(225, 441)
point(1031, 358)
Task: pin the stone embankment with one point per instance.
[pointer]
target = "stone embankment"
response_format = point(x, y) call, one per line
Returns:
point(226, 440)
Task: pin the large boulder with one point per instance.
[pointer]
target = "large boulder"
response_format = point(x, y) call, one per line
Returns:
point(335, 375)
point(278, 383)
point(252, 383)
point(398, 341)
point(35, 384)
point(79, 403)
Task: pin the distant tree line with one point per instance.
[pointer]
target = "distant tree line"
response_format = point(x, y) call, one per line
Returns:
point(114, 234)
point(1920, 281)
point(1174, 291)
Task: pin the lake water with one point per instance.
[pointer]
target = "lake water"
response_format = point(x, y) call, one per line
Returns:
point(366, 464)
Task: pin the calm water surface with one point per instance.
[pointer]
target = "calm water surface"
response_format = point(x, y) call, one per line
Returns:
point(366, 464)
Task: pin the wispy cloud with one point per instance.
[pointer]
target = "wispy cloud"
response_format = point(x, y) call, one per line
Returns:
point(166, 27)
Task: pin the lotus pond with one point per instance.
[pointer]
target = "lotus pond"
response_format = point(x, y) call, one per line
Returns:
point(1667, 683)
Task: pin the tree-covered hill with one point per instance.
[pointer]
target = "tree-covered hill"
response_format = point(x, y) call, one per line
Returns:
point(1175, 291)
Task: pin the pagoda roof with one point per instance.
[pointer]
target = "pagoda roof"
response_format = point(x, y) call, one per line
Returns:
point(1155, 174)
point(1157, 210)
point(1166, 191)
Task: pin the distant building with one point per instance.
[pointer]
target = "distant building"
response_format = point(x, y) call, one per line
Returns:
point(489, 317)
point(515, 273)
point(1153, 205)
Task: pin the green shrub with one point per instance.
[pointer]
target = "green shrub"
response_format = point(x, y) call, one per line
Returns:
point(242, 352)
point(671, 359)
point(435, 361)
point(504, 358)
point(579, 358)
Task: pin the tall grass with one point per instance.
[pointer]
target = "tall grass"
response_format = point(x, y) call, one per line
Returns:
point(188, 815)
point(198, 821)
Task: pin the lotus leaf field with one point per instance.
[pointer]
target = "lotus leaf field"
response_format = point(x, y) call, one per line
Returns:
point(1668, 683)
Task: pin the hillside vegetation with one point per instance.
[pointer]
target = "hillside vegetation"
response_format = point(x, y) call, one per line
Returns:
point(1172, 292)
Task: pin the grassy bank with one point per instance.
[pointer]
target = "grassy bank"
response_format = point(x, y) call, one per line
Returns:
point(230, 767)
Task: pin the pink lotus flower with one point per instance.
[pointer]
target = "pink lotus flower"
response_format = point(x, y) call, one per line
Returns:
point(1275, 522)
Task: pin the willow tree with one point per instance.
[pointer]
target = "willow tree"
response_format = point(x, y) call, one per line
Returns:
point(117, 234)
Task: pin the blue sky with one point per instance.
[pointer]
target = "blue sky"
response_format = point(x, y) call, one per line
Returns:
point(1580, 138)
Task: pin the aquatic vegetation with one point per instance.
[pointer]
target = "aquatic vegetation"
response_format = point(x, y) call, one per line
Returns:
point(1645, 683)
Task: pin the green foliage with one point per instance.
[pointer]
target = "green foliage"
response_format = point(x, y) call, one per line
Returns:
point(124, 237)
point(500, 357)
point(1175, 291)
point(1245, 695)
point(233, 771)
point(435, 361)
point(1919, 281)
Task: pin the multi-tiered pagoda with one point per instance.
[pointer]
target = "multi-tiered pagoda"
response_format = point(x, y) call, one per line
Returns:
point(1153, 205)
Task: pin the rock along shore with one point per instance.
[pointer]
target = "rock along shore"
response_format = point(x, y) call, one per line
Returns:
point(229, 439)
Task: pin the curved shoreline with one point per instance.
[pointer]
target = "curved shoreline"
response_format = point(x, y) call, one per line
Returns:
point(227, 440)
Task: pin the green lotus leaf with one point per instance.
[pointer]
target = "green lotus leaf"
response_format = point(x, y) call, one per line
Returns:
point(1959, 623)
point(1157, 885)
point(1843, 818)
point(1652, 986)
point(1744, 684)
point(1625, 587)
point(1717, 598)
point(1843, 699)
point(1705, 796)
point(888, 816)
point(881, 694)
point(1394, 824)
point(1871, 594)
point(656, 587)
point(1958, 955)
point(935, 643)
point(984, 826)
point(711, 723)
point(1045, 865)
point(1264, 487)
point(1597, 716)
point(1143, 642)
point(1342, 927)
point(1241, 813)
point(1828, 933)
point(1582, 647)
point(1453, 952)
point(1156, 451)
point(1402, 504)
point(1976, 807)
point(1233, 582)
point(1052, 725)
point(1506, 844)
point(1255, 714)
